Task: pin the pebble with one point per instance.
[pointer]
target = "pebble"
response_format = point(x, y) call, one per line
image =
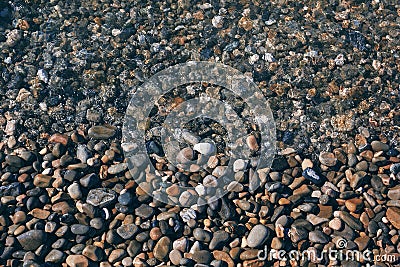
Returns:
point(313, 176)
point(162, 249)
point(55, 256)
point(379, 146)
point(144, 211)
point(32, 239)
point(77, 261)
point(318, 237)
point(354, 204)
point(328, 159)
point(101, 197)
point(393, 193)
point(93, 253)
point(205, 148)
point(393, 215)
point(258, 236)
point(74, 191)
point(219, 239)
point(127, 231)
point(202, 235)
point(101, 132)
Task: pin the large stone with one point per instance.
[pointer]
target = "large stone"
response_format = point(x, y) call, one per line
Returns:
point(257, 236)
point(162, 249)
point(77, 261)
point(32, 239)
point(102, 132)
point(393, 215)
point(101, 197)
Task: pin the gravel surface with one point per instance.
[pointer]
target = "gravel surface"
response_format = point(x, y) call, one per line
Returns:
point(329, 69)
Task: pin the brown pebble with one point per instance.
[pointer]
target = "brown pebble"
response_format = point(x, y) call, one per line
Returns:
point(252, 142)
point(59, 138)
point(155, 233)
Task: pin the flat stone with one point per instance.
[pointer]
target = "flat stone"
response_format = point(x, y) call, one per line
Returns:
point(393, 215)
point(318, 237)
point(127, 231)
point(202, 235)
point(101, 197)
point(354, 204)
point(79, 229)
point(102, 132)
point(394, 193)
point(134, 248)
point(202, 257)
point(59, 138)
point(55, 256)
point(205, 148)
point(32, 239)
point(74, 191)
point(219, 239)
point(162, 249)
point(175, 257)
point(118, 168)
point(258, 236)
point(93, 253)
point(351, 221)
point(144, 211)
point(328, 159)
point(14, 161)
point(42, 180)
point(379, 146)
point(249, 254)
point(116, 255)
point(77, 261)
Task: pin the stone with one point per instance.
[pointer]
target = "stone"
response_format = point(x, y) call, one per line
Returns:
point(336, 224)
point(116, 255)
point(252, 143)
point(118, 168)
point(127, 231)
point(93, 253)
point(362, 242)
point(74, 191)
point(14, 161)
point(219, 239)
point(210, 181)
point(313, 176)
point(55, 256)
point(79, 229)
point(42, 180)
point(77, 261)
point(102, 132)
point(258, 236)
point(205, 148)
point(393, 215)
point(101, 197)
point(379, 146)
point(351, 221)
point(175, 257)
point(218, 21)
point(202, 235)
point(318, 237)
point(202, 257)
point(144, 211)
point(32, 239)
point(394, 193)
point(249, 254)
point(59, 138)
point(134, 248)
point(162, 249)
point(328, 159)
point(354, 204)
